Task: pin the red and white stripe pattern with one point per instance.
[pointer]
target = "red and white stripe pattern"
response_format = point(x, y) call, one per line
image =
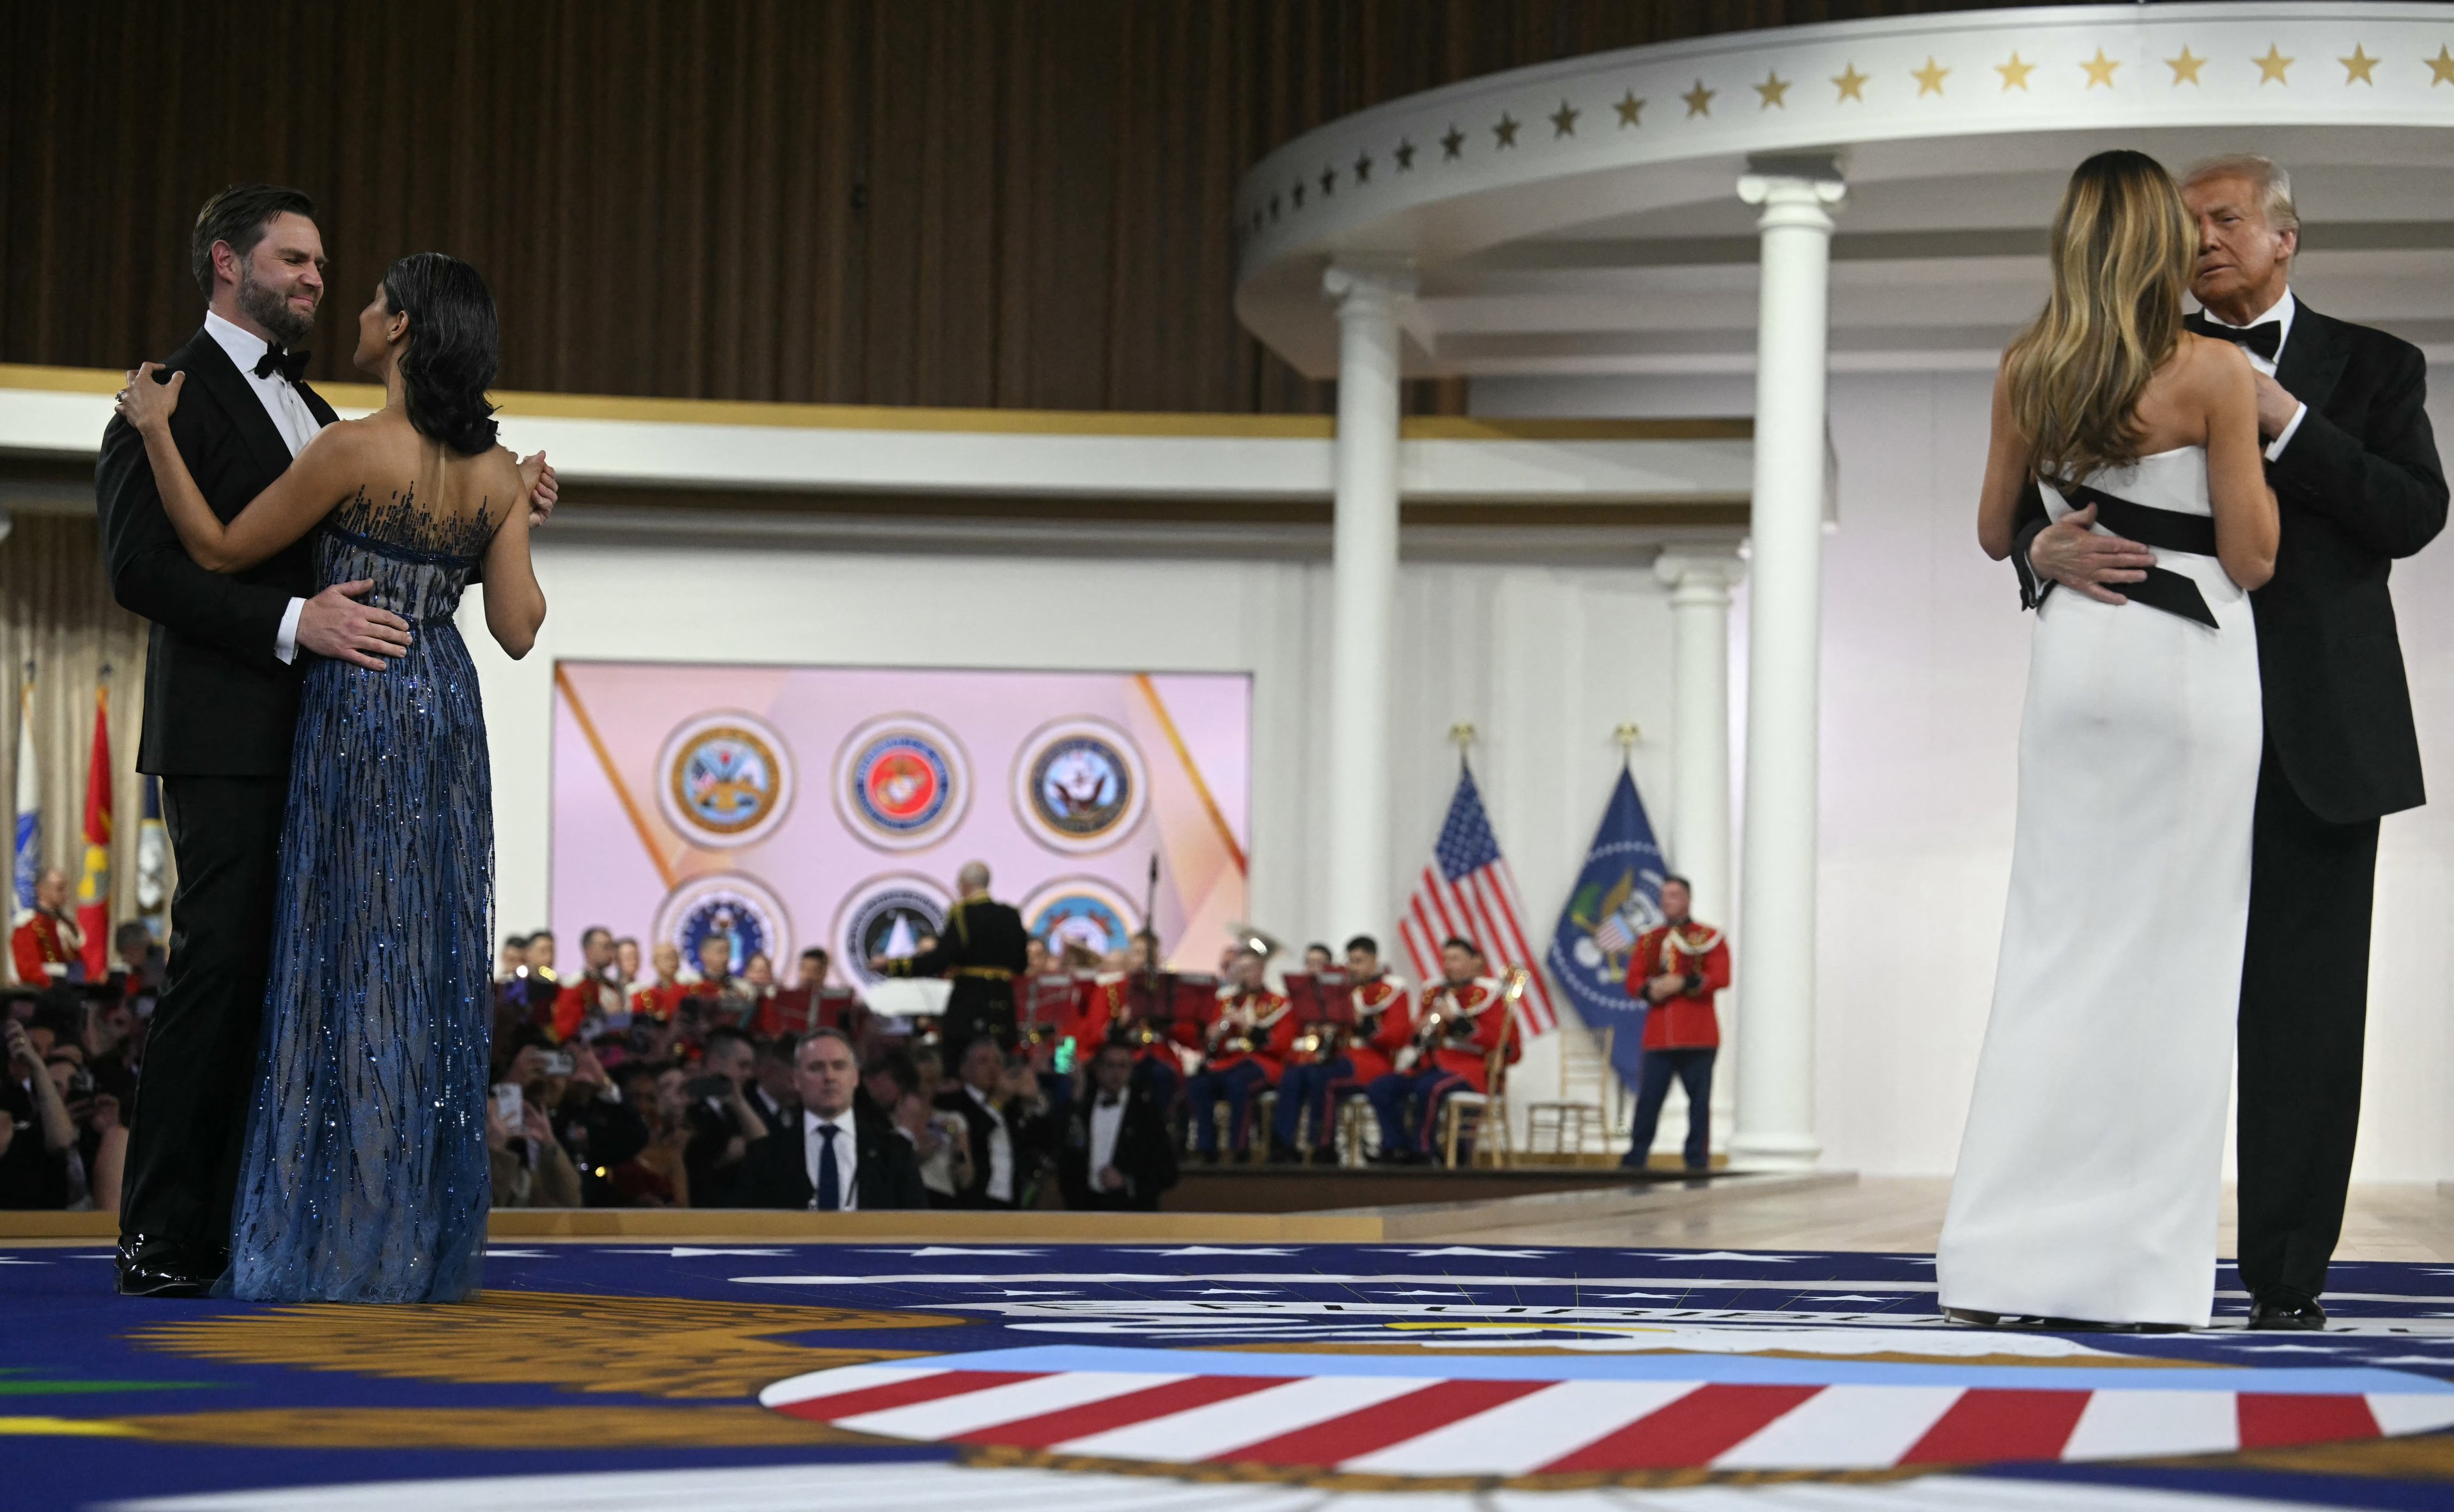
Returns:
point(1422, 1426)
point(1467, 890)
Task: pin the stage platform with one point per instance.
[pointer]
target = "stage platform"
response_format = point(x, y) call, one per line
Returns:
point(1478, 1361)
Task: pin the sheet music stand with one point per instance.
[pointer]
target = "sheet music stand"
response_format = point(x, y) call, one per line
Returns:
point(1046, 1003)
point(1322, 997)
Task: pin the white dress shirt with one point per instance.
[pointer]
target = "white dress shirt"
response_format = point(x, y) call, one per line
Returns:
point(1000, 1149)
point(2280, 312)
point(1106, 1119)
point(847, 1155)
point(296, 424)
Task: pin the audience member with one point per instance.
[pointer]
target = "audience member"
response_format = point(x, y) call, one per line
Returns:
point(770, 1079)
point(1117, 1154)
point(37, 1138)
point(596, 1127)
point(723, 1124)
point(530, 1168)
point(835, 1156)
point(1006, 1119)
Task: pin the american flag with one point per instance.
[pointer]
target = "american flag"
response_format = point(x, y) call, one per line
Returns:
point(1468, 890)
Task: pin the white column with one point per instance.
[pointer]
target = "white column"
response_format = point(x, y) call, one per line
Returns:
point(1700, 756)
point(1364, 595)
point(1776, 922)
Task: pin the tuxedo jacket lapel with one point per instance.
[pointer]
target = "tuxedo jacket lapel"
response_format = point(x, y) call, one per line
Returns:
point(2312, 360)
point(324, 413)
point(213, 368)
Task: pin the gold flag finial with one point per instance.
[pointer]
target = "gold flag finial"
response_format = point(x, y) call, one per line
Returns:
point(1461, 736)
point(1627, 735)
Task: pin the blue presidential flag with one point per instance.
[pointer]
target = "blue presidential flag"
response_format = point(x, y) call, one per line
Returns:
point(1618, 897)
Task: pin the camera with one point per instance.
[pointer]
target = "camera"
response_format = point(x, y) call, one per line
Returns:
point(559, 1063)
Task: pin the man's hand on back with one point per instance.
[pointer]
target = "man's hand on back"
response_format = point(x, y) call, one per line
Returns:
point(2068, 552)
point(335, 625)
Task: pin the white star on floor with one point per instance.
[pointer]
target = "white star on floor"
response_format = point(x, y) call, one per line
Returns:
point(1638, 1297)
point(687, 1252)
point(936, 1251)
point(2410, 1359)
point(1232, 1291)
point(1449, 1294)
point(516, 1253)
point(1468, 1249)
point(1010, 1292)
point(1852, 1296)
point(6, 1260)
point(2290, 1349)
point(1205, 1249)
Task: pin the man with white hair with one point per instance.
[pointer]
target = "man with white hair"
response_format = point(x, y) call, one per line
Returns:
point(2355, 472)
point(983, 947)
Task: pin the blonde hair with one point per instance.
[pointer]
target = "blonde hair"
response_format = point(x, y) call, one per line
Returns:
point(2122, 246)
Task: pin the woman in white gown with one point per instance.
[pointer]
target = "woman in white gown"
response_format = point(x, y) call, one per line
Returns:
point(2089, 1173)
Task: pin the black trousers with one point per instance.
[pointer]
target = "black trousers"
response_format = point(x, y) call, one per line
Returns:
point(2304, 992)
point(184, 1146)
point(977, 1007)
point(1694, 1069)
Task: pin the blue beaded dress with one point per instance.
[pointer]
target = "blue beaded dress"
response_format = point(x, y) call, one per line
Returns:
point(365, 1177)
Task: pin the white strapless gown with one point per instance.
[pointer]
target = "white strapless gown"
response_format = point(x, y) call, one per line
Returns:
point(2092, 1165)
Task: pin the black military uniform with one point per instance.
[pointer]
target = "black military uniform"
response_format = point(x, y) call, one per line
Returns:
point(983, 948)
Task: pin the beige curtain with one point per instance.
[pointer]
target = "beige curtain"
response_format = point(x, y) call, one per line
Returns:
point(56, 612)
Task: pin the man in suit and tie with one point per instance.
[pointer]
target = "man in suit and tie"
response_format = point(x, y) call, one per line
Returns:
point(1117, 1154)
point(834, 1157)
point(2355, 472)
point(1006, 1115)
point(221, 702)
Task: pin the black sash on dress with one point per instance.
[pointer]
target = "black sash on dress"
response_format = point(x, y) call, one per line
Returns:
point(2166, 530)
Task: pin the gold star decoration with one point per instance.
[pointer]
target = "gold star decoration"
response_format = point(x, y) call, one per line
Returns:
point(1505, 130)
point(1700, 100)
point(1852, 84)
point(2185, 68)
point(1405, 156)
point(1363, 167)
point(1929, 78)
point(1772, 89)
point(1452, 145)
point(2440, 66)
point(2099, 69)
point(2014, 73)
point(1629, 107)
point(1563, 120)
point(2357, 66)
point(2270, 68)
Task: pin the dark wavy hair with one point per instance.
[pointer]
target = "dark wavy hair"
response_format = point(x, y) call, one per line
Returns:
point(239, 216)
point(454, 347)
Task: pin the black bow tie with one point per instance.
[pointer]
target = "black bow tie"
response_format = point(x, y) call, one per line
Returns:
point(2263, 339)
point(291, 365)
point(1110, 1100)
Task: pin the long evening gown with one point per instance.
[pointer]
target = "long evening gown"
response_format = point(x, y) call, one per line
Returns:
point(2092, 1163)
point(366, 1175)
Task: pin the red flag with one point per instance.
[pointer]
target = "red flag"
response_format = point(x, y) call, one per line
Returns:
point(93, 889)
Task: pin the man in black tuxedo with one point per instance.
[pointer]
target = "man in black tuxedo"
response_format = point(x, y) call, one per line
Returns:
point(830, 1155)
point(984, 946)
point(2355, 471)
point(221, 702)
point(1007, 1117)
point(1117, 1154)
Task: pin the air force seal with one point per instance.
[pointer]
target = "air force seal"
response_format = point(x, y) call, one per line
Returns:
point(902, 782)
point(1079, 785)
point(888, 915)
point(726, 779)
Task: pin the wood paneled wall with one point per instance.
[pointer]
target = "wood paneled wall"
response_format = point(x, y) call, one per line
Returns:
point(947, 202)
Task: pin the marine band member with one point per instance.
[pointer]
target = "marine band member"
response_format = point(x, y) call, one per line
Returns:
point(1679, 968)
point(1442, 1058)
point(48, 947)
point(983, 948)
point(1384, 1021)
point(1247, 1050)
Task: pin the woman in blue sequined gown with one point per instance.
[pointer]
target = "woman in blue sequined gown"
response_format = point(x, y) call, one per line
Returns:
point(365, 1177)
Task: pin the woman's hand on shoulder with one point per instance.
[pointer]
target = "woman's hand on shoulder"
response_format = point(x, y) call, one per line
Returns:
point(147, 404)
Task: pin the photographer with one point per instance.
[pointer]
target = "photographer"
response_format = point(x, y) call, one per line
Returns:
point(723, 1124)
point(530, 1166)
point(594, 1126)
point(1009, 1126)
point(37, 1138)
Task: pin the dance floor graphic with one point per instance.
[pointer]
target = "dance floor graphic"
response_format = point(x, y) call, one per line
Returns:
point(1196, 1376)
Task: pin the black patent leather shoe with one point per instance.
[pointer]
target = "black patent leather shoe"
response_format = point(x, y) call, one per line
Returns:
point(150, 1267)
point(2287, 1311)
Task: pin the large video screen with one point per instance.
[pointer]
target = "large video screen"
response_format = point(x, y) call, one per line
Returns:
point(783, 807)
